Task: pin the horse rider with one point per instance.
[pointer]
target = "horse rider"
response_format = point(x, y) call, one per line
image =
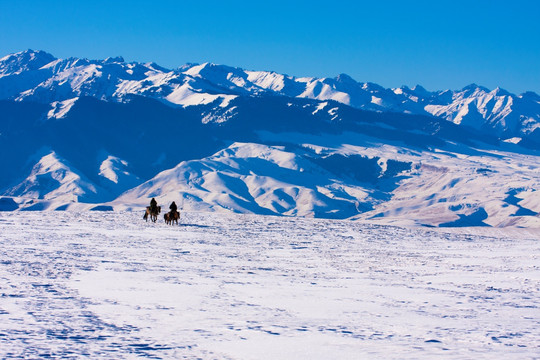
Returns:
point(173, 208)
point(153, 205)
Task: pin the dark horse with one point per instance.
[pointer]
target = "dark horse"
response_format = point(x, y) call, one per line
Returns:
point(171, 217)
point(153, 214)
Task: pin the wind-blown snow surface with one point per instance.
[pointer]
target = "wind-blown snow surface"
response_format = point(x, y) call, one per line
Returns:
point(108, 285)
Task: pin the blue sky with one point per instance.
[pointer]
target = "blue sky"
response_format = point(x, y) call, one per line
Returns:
point(438, 44)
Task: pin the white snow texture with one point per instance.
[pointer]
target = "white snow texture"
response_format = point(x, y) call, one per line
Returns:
point(107, 285)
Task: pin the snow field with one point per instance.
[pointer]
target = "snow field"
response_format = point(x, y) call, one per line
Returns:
point(109, 285)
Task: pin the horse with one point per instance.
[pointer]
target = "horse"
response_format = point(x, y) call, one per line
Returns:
point(153, 215)
point(171, 217)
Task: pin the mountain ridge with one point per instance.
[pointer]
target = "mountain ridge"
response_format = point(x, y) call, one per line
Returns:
point(220, 138)
point(40, 77)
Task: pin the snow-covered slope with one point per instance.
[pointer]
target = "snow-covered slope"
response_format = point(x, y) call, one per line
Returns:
point(38, 76)
point(479, 107)
point(115, 174)
point(52, 178)
point(220, 286)
point(254, 178)
point(220, 138)
point(54, 183)
point(436, 189)
point(17, 63)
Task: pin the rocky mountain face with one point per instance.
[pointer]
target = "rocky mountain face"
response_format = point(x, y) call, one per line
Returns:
point(106, 134)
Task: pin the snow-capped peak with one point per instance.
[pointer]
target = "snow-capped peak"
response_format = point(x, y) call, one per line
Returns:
point(112, 60)
point(473, 89)
point(420, 90)
point(24, 61)
point(500, 92)
point(346, 79)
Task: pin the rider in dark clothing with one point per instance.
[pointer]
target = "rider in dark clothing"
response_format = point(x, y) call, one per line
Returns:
point(173, 207)
point(153, 205)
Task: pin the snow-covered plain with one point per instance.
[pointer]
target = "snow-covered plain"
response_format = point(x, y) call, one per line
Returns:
point(107, 285)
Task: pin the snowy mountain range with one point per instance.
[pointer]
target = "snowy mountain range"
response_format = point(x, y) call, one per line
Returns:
point(107, 134)
point(40, 77)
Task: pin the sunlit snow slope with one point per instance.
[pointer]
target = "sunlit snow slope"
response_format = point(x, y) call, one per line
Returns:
point(107, 134)
point(221, 286)
point(443, 188)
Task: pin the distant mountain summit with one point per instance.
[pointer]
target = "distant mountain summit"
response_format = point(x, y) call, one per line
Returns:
point(109, 134)
point(28, 60)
